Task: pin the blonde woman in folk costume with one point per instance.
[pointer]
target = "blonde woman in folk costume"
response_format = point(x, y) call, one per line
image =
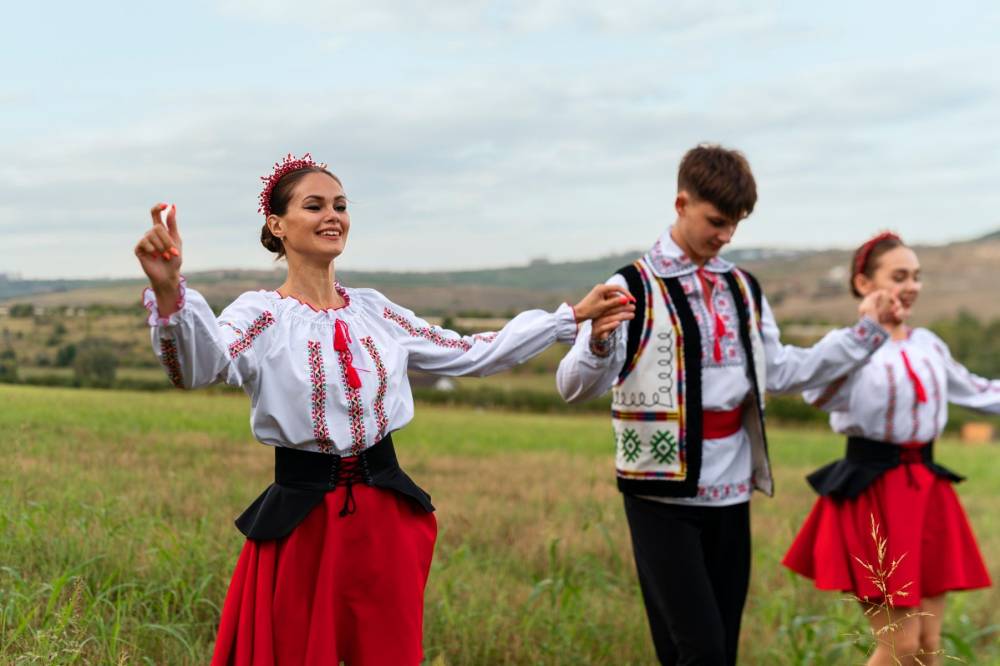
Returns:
point(338, 549)
point(892, 409)
point(688, 376)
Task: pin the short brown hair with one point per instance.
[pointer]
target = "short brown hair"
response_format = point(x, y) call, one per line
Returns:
point(720, 176)
point(281, 196)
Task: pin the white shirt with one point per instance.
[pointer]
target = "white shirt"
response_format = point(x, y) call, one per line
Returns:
point(726, 464)
point(879, 399)
point(281, 352)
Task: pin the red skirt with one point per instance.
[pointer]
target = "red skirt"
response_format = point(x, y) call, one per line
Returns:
point(923, 523)
point(336, 589)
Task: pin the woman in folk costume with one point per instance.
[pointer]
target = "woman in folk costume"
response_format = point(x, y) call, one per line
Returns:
point(688, 376)
point(892, 409)
point(339, 547)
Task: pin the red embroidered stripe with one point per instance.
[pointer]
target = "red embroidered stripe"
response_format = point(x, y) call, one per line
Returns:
point(383, 381)
point(171, 362)
point(355, 410)
point(890, 411)
point(317, 376)
point(259, 325)
point(936, 386)
point(829, 392)
point(425, 332)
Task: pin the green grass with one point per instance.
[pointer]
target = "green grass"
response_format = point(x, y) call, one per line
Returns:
point(117, 543)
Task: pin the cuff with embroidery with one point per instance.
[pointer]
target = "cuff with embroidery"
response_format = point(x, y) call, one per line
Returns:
point(565, 323)
point(603, 349)
point(869, 334)
point(149, 302)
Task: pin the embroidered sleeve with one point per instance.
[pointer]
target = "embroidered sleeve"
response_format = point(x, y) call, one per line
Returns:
point(196, 349)
point(443, 352)
point(834, 397)
point(584, 373)
point(792, 369)
point(964, 387)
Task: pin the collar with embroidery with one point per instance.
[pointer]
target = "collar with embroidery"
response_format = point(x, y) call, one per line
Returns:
point(668, 260)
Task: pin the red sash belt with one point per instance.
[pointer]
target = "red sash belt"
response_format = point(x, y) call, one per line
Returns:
point(716, 425)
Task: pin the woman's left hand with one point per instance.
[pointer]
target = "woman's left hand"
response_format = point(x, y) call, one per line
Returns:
point(605, 300)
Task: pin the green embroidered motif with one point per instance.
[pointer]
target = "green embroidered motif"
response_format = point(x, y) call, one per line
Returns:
point(630, 445)
point(664, 447)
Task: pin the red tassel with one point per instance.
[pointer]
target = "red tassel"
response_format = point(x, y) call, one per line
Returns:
point(918, 386)
point(720, 332)
point(341, 338)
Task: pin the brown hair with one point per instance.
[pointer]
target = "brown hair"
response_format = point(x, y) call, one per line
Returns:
point(281, 196)
point(720, 176)
point(865, 259)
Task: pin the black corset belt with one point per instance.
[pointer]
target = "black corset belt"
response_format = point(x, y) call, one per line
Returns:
point(868, 459)
point(302, 479)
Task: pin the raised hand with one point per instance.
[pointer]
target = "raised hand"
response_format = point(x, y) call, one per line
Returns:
point(159, 254)
point(604, 300)
point(883, 307)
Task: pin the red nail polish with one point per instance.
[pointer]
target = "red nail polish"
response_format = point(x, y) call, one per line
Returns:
point(174, 251)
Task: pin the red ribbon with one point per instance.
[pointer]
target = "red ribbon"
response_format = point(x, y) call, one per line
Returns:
point(918, 386)
point(709, 284)
point(341, 338)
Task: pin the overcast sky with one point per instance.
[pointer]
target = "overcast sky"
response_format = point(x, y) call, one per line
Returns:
point(475, 133)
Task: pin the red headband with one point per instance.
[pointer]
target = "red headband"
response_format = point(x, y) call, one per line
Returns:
point(861, 258)
point(282, 169)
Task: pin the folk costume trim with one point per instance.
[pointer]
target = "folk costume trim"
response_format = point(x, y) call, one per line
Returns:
point(936, 388)
point(426, 332)
point(171, 362)
point(317, 377)
point(259, 325)
point(378, 407)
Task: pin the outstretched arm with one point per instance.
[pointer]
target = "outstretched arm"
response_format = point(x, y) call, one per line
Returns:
point(792, 369)
point(445, 352)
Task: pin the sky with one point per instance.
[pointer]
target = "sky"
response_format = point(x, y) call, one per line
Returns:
point(475, 134)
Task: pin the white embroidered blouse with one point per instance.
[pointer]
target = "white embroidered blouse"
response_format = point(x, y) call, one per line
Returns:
point(332, 380)
point(902, 393)
point(726, 464)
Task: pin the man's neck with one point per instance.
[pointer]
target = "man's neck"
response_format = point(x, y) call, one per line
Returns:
point(678, 240)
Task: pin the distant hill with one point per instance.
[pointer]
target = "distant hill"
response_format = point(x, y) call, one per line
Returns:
point(801, 285)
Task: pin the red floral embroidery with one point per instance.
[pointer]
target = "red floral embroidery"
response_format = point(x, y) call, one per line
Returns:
point(724, 490)
point(170, 360)
point(936, 386)
point(426, 332)
point(317, 376)
point(485, 337)
point(383, 381)
point(259, 325)
point(355, 410)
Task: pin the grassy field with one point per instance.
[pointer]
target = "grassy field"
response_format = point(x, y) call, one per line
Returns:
point(116, 536)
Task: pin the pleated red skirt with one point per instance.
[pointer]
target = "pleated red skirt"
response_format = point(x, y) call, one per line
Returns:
point(922, 522)
point(336, 589)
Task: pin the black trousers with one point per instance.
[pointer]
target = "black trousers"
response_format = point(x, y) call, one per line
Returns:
point(694, 570)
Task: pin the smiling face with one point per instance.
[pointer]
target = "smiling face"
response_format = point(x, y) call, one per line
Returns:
point(701, 231)
point(898, 272)
point(316, 222)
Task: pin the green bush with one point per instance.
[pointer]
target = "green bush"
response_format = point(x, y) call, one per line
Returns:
point(95, 363)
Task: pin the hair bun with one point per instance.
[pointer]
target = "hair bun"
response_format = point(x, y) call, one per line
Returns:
point(271, 242)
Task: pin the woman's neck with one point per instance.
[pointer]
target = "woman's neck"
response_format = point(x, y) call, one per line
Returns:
point(312, 284)
point(898, 332)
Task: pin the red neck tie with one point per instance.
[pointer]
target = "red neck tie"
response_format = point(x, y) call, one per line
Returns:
point(708, 286)
point(918, 386)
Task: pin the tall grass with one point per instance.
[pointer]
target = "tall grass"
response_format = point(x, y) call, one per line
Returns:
point(116, 540)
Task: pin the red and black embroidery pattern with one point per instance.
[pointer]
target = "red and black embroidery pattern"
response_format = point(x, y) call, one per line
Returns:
point(317, 377)
point(724, 490)
point(168, 355)
point(426, 332)
point(486, 337)
point(355, 410)
point(259, 325)
point(936, 386)
point(383, 381)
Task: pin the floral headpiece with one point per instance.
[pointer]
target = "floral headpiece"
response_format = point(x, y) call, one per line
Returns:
point(861, 258)
point(282, 169)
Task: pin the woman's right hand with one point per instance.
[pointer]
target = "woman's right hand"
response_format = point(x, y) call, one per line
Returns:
point(883, 307)
point(159, 254)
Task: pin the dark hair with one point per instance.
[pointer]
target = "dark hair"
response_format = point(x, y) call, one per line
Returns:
point(281, 196)
point(865, 259)
point(720, 176)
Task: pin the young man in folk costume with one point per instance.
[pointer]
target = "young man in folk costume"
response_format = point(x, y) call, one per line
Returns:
point(688, 376)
